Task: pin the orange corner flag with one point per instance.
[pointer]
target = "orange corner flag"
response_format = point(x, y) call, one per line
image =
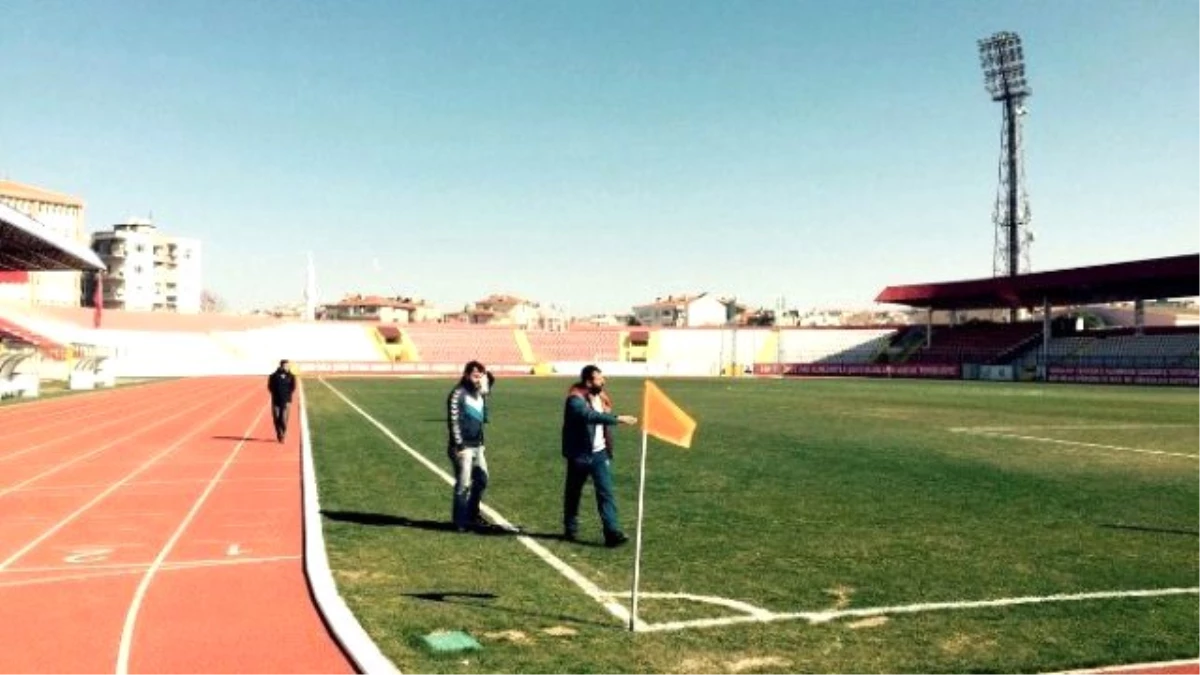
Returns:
point(664, 420)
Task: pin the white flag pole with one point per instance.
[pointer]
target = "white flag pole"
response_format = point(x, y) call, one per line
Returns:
point(637, 545)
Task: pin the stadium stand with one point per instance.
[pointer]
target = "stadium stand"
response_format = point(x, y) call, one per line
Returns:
point(450, 343)
point(306, 341)
point(833, 345)
point(15, 332)
point(982, 343)
point(1123, 349)
point(575, 345)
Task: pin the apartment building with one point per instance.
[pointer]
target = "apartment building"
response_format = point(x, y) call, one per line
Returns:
point(148, 270)
point(63, 215)
point(688, 311)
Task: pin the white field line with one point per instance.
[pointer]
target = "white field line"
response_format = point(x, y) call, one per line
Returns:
point(823, 616)
point(1057, 441)
point(1050, 427)
point(113, 487)
point(139, 595)
point(1132, 667)
point(592, 590)
point(133, 434)
point(344, 626)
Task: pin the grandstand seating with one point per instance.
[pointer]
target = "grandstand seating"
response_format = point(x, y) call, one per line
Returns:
point(82, 317)
point(833, 345)
point(11, 330)
point(981, 343)
point(450, 343)
point(1122, 348)
point(163, 354)
point(575, 345)
point(303, 341)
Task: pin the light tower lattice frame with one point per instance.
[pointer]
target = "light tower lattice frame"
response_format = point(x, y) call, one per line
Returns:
point(1003, 61)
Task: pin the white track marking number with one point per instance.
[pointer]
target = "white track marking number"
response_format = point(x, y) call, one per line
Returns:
point(83, 556)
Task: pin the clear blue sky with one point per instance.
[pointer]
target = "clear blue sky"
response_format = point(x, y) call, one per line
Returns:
point(602, 153)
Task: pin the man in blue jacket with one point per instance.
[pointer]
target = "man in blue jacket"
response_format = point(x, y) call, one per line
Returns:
point(466, 413)
point(587, 445)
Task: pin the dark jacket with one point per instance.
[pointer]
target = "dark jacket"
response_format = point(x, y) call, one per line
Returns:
point(282, 385)
point(464, 424)
point(579, 423)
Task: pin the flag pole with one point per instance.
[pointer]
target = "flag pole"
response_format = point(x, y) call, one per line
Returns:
point(637, 542)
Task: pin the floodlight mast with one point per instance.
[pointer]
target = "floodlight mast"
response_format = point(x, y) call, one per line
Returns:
point(1003, 61)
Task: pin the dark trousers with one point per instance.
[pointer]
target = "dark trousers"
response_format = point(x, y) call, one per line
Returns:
point(596, 467)
point(279, 413)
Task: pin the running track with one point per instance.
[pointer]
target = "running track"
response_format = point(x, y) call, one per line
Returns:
point(155, 528)
point(159, 528)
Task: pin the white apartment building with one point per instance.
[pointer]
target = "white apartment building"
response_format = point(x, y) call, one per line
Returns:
point(61, 214)
point(148, 270)
point(686, 311)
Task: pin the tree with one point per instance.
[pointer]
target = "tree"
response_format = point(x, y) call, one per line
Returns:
point(210, 302)
point(761, 317)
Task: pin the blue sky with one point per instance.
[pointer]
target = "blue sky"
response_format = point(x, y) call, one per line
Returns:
point(598, 154)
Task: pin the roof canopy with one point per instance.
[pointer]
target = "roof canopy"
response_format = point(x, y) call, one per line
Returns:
point(1173, 277)
point(27, 245)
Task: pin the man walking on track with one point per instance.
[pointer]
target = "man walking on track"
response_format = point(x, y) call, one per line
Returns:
point(281, 384)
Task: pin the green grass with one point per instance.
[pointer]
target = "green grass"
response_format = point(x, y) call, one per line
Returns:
point(797, 496)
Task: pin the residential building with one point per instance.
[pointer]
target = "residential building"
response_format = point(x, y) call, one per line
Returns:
point(378, 308)
point(510, 310)
point(148, 270)
point(686, 311)
point(64, 216)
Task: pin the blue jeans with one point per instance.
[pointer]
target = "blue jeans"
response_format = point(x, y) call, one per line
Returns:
point(596, 467)
point(470, 480)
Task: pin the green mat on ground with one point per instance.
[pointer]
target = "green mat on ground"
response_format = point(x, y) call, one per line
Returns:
point(450, 641)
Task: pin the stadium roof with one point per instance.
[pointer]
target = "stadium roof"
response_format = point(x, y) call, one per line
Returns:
point(33, 193)
point(27, 245)
point(1174, 277)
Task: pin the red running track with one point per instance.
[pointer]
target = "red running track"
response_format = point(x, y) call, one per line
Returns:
point(155, 528)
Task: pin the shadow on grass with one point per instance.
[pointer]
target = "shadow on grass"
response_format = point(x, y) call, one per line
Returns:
point(387, 520)
point(1146, 528)
point(483, 601)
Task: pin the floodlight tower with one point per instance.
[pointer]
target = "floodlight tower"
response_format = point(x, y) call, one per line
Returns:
point(1003, 64)
point(310, 290)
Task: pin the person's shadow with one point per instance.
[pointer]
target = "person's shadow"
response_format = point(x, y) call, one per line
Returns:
point(387, 520)
point(1150, 528)
point(484, 601)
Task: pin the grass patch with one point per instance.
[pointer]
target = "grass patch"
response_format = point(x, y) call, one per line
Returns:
point(797, 496)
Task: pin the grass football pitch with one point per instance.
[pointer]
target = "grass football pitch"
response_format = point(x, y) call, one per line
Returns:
point(841, 525)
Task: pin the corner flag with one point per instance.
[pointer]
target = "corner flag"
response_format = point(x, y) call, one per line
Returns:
point(664, 420)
